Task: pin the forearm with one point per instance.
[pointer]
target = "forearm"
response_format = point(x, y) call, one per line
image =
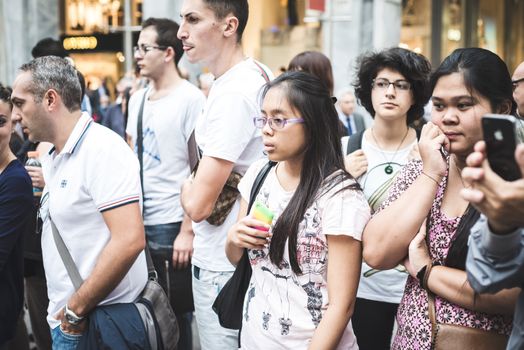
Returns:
point(387, 235)
point(233, 252)
point(452, 285)
point(114, 262)
point(331, 328)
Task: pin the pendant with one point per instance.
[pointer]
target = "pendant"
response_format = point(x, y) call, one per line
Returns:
point(388, 169)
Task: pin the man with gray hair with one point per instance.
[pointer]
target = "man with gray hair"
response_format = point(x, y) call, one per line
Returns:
point(91, 195)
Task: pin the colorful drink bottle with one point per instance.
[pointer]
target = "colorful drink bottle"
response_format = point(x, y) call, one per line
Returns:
point(262, 213)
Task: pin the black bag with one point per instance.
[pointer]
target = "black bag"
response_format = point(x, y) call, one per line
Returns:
point(230, 301)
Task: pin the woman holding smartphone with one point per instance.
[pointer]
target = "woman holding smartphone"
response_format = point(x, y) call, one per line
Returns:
point(300, 296)
point(425, 223)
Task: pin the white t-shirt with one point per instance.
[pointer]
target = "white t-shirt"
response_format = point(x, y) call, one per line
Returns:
point(386, 285)
point(167, 125)
point(82, 182)
point(282, 310)
point(225, 130)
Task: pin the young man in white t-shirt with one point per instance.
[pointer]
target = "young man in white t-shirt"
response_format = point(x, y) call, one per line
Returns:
point(211, 34)
point(92, 196)
point(171, 106)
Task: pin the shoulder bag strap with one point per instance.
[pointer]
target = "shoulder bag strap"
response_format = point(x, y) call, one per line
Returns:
point(140, 140)
point(193, 152)
point(262, 71)
point(257, 184)
point(66, 257)
point(432, 317)
point(151, 272)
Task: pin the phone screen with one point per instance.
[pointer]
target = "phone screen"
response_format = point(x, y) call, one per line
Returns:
point(500, 137)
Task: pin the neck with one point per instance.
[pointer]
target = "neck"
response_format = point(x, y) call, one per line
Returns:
point(292, 168)
point(5, 158)
point(227, 59)
point(63, 129)
point(167, 80)
point(460, 162)
point(390, 131)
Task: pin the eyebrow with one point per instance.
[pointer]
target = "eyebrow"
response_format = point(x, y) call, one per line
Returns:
point(274, 111)
point(454, 98)
point(16, 99)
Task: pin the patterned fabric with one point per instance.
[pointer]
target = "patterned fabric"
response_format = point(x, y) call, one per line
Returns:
point(414, 327)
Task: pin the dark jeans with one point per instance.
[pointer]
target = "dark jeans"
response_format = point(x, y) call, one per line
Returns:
point(176, 283)
point(373, 324)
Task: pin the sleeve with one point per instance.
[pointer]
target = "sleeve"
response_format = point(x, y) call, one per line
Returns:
point(406, 176)
point(114, 180)
point(229, 126)
point(494, 262)
point(346, 213)
point(246, 183)
point(16, 206)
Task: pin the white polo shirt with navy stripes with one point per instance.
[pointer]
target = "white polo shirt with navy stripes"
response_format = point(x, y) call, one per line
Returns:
point(95, 172)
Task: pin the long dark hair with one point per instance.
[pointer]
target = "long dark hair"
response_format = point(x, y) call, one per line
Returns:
point(307, 95)
point(485, 73)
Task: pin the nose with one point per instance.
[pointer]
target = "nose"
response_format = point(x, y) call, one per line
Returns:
point(390, 91)
point(450, 116)
point(182, 33)
point(267, 129)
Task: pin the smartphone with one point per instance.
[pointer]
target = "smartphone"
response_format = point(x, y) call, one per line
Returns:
point(501, 139)
point(263, 213)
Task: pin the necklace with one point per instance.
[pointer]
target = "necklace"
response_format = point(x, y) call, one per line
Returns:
point(389, 169)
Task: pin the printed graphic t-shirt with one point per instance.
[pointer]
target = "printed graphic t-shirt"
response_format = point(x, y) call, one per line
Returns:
point(282, 309)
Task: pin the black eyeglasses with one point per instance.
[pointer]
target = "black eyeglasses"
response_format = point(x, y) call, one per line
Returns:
point(515, 83)
point(144, 49)
point(383, 84)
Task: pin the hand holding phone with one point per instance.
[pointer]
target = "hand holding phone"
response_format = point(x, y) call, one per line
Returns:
point(501, 141)
point(262, 213)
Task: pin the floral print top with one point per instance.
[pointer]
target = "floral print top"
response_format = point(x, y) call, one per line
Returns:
point(414, 327)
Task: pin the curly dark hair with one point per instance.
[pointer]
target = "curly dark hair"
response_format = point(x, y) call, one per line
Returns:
point(414, 67)
point(5, 94)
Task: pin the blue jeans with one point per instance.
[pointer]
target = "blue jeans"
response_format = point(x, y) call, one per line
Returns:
point(160, 240)
point(64, 341)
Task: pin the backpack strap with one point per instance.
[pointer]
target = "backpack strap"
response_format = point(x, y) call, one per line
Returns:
point(355, 142)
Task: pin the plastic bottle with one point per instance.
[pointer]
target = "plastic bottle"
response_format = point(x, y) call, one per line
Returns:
point(32, 160)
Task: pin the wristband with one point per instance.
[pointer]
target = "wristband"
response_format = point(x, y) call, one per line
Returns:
point(431, 177)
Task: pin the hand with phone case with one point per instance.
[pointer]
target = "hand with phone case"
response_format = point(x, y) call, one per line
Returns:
point(500, 200)
point(500, 137)
point(252, 231)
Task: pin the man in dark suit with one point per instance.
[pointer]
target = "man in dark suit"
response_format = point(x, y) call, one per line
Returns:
point(353, 122)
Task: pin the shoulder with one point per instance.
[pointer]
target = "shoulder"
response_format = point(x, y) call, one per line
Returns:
point(101, 143)
point(14, 179)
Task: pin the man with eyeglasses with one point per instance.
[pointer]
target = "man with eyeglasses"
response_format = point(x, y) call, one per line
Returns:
point(211, 32)
point(164, 115)
point(518, 89)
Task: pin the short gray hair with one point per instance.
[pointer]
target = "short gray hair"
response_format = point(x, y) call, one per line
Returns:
point(52, 72)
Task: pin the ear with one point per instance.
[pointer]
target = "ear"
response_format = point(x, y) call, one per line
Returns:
point(231, 26)
point(51, 100)
point(505, 107)
point(170, 54)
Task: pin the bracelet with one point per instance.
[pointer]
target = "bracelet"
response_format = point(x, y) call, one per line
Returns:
point(423, 275)
point(432, 178)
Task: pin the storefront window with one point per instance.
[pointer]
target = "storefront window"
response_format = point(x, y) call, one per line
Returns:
point(98, 16)
point(415, 33)
point(453, 26)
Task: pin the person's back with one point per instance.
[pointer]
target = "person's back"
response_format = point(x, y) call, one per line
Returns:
point(229, 142)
